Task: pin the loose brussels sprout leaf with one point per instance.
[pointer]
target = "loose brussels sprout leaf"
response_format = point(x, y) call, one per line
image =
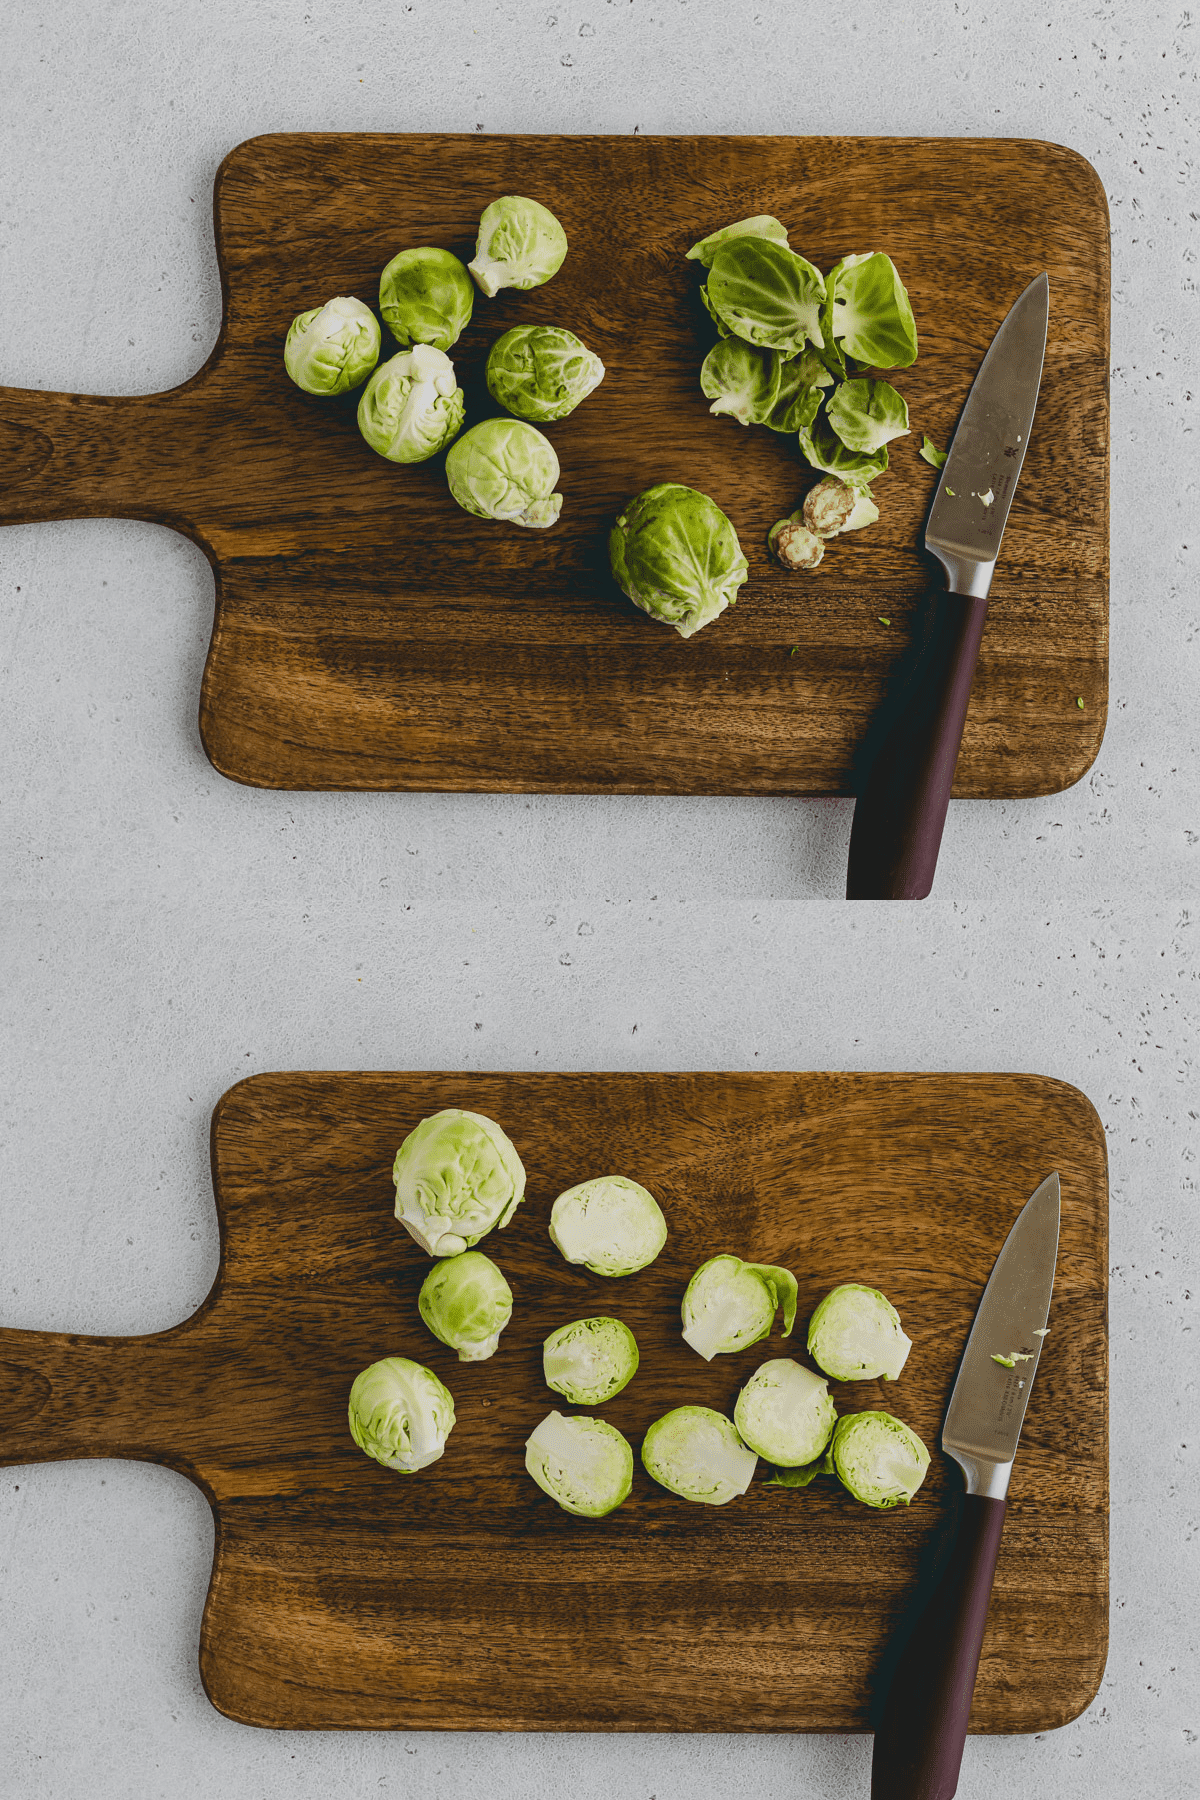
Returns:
point(797, 377)
point(332, 348)
point(412, 406)
point(865, 512)
point(730, 1304)
point(800, 1478)
point(590, 1360)
point(505, 469)
point(855, 1335)
point(824, 450)
point(697, 1454)
point(868, 313)
point(426, 297)
point(794, 544)
point(541, 372)
point(520, 245)
point(457, 1176)
point(401, 1414)
point(466, 1302)
point(932, 455)
point(762, 225)
point(767, 294)
point(741, 381)
point(785, 1413)
point(714, 315)
point(584, 1464)
point(866, 414)
point(881, 1461)
point(676, 555)
point(612, 1225)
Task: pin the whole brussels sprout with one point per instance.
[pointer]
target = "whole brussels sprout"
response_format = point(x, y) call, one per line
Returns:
point(426, 297)
point(466, 1302)
point(412, 406)
point(457, 1177)
point(697, 1454)
point(520, 245)
point(332, 348)
point(612, 1225)
point(541, 372)
point(761, 225)
point(731, 1304)
point(401, 1414)
point(785, 1413)
point(504, 469)
point(590, 1360)
point(855, 1335)
point(676, 555)
point(584, 1464)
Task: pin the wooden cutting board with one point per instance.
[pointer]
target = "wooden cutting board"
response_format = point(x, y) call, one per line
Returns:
point(344, 1595)
point(370, 634)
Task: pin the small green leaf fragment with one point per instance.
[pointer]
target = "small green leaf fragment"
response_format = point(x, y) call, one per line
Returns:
point(931, 453)
point(793, 649)
point(950, 491)
point(1006, 1362)
point(884, 621)
point(1079, 702)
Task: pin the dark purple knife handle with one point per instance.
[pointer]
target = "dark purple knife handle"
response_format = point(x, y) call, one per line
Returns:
point(902, 800)
point(919, 1742)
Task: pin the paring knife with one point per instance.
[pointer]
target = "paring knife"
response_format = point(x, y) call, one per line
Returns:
point(905, 791)
point(919, 1742)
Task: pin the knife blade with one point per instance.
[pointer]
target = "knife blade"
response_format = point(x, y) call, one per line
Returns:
point(912, 748)
point(923, 1725)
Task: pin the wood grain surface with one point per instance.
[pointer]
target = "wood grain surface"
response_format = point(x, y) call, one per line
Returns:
point(370, 634)
point(345, 1595)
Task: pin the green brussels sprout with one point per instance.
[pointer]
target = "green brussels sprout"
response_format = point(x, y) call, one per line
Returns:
point(401, 1414)
point(520, 245)
point(761, 225)
point(676, 555)
point(466, 1302)
point(590, 1360)
point(697, 1454)
point(730, 1304)
point(541, 372)
point(332, 348)
point(426, 297)
point(855, 1335)
point(767, 294)
point(504, 469)
point(584, 1464)
point(785, 1413)
point(412, 406)
point(741, 380)
point(866, 414)
point(825, 451)
point(877, 1458)
point(612, 1225)
point(867, 313)
point(797, 375)
point(457, 1177)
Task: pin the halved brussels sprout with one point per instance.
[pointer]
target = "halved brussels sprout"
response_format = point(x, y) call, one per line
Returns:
point(585, 1464)
point(426, 297)
point(855, 1335)
point(466, 1302)
point(401, 1414)
point(457, 1177)
point(333, 347)
point(590, 1360)
point(741, 381)
point(504, 469)
point(761, 225)
point(867, 313)
point(797, 376)
point(866, 414)
point(541, 372)
point(676, 555)
point(824, 450)
point(412, 406)
point(881, 1461)
point(520, 245)
point(767, 294)
point(612, 1225)
point(697, 1454)
point(731, 1304)
point(785, 1413)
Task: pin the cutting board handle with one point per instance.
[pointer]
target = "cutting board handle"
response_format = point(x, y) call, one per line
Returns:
point(64, 1396)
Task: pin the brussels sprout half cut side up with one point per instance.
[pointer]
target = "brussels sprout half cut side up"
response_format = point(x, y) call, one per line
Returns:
point(731, 1304)
point(697, 1454)
point(520, 245)
point(855, 1335)
point(590, 1360)
point(466, 1302)
point(761, 225)
point(584, 1464)
point(332, 348)
point(767, 294)
point(541, 372)
point(674, 553)
point(426, 297)
point(785, 1413)
point(506, 470)
point(457, 1177)
point(877, 1458)
point(412, 406)
point(612, 1225)
point(401, 1414)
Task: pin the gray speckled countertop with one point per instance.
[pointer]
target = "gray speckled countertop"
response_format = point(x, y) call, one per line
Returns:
point(165, 932)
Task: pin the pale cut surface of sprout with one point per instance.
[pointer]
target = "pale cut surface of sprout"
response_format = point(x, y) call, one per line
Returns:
point(828, 507)
point(785, 1413)
point(877, 1458)
point(457, 1177)
point(855, 1335)
point(731, 1304)
point(794, 545)
point(466, 1302)
point(697, 1454)
point(610, 1224)
point(400, 1414)
point(583, 1464)
point(331, 348)
point(590, 1360)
